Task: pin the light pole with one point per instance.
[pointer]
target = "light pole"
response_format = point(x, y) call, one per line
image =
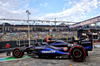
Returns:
point(3, 27)
point(28, 13)
point(55, 24)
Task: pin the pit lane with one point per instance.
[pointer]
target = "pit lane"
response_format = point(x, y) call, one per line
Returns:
point(92, 60)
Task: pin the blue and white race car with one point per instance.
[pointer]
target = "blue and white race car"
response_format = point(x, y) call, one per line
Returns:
point(57, 49)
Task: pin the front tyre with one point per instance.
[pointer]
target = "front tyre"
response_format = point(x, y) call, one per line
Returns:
point(17, 53)
point(77, 53)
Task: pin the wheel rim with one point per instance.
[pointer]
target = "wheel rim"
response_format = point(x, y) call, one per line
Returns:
point(77, 53)
point(16, 52)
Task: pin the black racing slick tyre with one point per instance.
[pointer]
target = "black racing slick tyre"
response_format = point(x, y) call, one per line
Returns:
point(86, 53)
point(17, 53)
point(77, 53)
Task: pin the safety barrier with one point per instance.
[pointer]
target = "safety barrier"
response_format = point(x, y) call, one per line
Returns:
point(12, 44)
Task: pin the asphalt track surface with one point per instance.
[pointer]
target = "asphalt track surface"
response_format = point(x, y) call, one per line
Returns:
point(92, 60)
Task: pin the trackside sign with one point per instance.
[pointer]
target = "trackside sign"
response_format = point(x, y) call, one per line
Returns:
point(86, 22)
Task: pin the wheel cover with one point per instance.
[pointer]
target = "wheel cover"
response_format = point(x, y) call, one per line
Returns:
point(16, 52)
point(77, 53)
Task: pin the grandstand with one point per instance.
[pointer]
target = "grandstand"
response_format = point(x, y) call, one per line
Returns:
point(9, 32)
point(15, 28)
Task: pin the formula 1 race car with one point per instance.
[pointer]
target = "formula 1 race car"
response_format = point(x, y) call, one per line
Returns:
point(77, 52)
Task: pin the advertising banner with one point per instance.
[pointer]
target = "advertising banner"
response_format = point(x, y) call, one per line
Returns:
point(86, 22)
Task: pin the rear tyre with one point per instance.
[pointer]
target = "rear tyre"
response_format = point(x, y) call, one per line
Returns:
point(17, 53)
point(77, 53)
point(86, 53)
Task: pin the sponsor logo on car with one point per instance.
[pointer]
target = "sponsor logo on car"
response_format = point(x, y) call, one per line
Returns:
point(69, 45)
point(65, 48)
point(85, 42)
point(52, 51)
